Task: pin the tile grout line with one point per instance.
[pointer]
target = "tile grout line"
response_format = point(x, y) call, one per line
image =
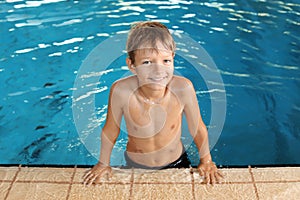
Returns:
point(131, 184)
point(253, 181)
point(193, 184)
point(71, 182)
point(12, 182)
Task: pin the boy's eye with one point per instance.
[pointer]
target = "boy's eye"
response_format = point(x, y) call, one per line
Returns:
point(146, 62)
point(167, 61)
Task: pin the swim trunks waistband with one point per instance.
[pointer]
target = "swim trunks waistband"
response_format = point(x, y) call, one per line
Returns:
point(182, 162)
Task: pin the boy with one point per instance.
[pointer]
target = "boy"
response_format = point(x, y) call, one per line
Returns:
point(152, 102)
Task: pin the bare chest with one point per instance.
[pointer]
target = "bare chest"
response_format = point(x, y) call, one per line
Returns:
point(147, 120)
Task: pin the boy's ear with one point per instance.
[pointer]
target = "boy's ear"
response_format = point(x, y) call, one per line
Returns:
point(130, 65)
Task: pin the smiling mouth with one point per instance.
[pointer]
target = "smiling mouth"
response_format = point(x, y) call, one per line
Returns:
point(158, 79)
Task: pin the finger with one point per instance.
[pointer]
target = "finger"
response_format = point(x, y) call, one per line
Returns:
point(200, 170)
point(89, 180)
point(91, 176)
point(92, 180)
point(212, 178)
point(86, 180)
point(97, 178)
point(207, 178)
point(87, 173)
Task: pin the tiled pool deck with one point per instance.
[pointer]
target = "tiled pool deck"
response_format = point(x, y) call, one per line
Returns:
point(38, 183)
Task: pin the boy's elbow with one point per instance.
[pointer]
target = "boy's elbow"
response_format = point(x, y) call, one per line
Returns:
point(111, 133)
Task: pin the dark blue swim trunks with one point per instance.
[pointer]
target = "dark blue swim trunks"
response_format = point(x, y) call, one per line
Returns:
point(182, 162)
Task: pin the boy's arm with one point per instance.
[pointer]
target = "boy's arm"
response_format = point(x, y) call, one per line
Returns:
point(111, 129)
point(196, 125)
point(199, 133)
point(109, 135)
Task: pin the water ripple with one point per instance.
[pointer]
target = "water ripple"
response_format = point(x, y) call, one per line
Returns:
point(68, 41)
point(234, 74)
point(154, 3)
point(18, 17)
point(132, 8)
point(188, 15)
point(29, 4)
point(92, 92)
point(96, 74)
point(43, 46)
point(282, 66)
point(69, 22)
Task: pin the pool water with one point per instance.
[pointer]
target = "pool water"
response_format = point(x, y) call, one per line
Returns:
point(254, 44)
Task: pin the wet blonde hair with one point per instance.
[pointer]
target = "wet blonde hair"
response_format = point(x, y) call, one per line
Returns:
point(147, 35)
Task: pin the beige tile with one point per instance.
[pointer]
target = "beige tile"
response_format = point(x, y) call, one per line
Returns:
point(270, 191)
point(100, 191)
point(8, 173)
point(237, 175)
point(162, 191)
point(45, 174)
point(162, 176)
point(38, 191)
point(225, 191)
point(277, 174)
point(119, 176)
point(4, 189)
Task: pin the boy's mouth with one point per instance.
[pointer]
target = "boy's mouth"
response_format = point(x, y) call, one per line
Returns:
point(157, 79)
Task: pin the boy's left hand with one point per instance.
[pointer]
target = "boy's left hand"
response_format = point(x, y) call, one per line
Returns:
point(210, 172)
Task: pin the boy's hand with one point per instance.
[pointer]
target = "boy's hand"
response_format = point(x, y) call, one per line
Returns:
point(94, 174)
point(210, 172)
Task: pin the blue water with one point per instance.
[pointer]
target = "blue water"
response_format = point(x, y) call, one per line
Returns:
point(254, 44)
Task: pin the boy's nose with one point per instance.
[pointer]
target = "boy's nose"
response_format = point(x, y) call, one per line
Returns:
point(157, 69)
point(157, 66)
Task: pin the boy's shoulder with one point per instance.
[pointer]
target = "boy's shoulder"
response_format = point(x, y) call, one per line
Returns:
point(122, 89)
point(125, 80)
point(183, 88)
point(180, 83)
point(181, 79)
point(125, 84)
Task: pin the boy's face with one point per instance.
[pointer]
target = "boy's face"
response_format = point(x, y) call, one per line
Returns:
point(153, 67)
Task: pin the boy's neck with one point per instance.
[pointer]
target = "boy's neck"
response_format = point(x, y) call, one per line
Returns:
point(153, 96)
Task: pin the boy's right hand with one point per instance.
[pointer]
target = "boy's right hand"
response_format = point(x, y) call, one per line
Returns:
point(94, 174)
